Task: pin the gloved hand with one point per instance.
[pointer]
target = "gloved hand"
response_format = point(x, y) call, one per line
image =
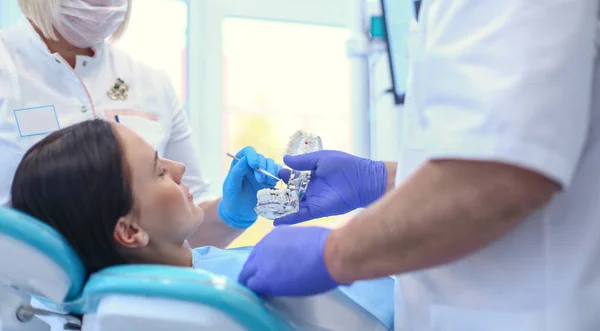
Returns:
point(236, 208)
point(288, 261)
point(340, 183)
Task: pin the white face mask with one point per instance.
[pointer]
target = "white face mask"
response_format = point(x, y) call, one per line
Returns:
point(86, 23)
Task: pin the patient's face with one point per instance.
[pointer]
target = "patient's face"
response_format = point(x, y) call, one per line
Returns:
point(165, 208)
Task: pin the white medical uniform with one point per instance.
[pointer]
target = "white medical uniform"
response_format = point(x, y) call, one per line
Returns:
point(40, 92)
point(513, 81)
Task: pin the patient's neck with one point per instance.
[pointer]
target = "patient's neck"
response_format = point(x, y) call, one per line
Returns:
point(165, 254)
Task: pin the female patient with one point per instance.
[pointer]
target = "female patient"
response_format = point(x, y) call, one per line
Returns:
point(106, 191)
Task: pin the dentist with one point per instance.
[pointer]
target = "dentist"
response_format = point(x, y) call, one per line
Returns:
point(494, 220)
point(57, 69)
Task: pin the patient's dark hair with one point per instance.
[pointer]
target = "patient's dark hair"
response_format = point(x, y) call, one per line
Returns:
point(76, 180)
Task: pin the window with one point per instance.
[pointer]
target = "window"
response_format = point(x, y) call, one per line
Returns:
point(163, 46)
point(279, 77)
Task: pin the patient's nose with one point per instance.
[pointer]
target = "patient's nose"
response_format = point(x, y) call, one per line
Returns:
point(177, 170)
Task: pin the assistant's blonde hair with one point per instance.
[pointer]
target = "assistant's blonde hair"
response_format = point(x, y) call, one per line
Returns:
point(42, 14)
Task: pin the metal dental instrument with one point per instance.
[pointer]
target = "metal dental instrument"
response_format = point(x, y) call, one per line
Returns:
point(257, 169)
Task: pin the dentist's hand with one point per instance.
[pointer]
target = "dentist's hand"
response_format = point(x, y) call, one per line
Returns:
point(241, 184)
point(289, 262)
point(340, 183)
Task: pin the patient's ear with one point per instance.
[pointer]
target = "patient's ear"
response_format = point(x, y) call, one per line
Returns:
point(129, 234)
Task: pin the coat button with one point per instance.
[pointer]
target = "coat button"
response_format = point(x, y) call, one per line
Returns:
point(84, 109)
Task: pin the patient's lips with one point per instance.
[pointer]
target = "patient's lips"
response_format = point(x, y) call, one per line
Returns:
point(190, 196)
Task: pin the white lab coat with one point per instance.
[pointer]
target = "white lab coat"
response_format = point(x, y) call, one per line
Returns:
point(512, 81)
point(30, 77)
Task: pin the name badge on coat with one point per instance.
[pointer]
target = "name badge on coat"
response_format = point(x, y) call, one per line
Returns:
point(36, 121)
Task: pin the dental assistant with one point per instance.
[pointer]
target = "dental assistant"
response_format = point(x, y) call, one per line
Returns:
point(494, 219)
point(57, 69)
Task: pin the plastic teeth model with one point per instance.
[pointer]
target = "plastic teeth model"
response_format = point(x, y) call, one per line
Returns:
point(302, 142)
point(276, 203)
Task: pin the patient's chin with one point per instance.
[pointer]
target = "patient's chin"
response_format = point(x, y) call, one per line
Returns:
point(195, 221)
point(199, 215)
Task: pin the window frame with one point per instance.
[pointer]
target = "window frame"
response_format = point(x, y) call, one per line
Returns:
point(205, 66)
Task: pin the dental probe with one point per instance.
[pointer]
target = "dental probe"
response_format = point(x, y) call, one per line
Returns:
point(257, 169)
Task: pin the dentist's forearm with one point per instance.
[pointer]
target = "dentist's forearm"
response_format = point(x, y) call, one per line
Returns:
point(390, 169)
point(213, 231)
point(445, 211)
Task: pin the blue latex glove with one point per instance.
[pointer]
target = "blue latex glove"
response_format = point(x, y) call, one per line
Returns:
point(236, 208)
point(340, 183)
point(289, 262)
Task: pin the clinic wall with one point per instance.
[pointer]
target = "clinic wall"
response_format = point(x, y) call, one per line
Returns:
point(385, 115)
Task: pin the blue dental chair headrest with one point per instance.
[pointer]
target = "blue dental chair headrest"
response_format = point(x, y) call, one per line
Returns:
point(47, 241)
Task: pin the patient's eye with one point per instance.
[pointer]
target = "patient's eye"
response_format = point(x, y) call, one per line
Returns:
point(161, 172)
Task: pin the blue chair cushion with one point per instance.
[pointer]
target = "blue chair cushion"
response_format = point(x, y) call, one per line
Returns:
point(183, 284)
point(46, 240)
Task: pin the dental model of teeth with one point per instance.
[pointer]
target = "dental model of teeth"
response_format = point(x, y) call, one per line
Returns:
point(302, 142)
point(276, 203)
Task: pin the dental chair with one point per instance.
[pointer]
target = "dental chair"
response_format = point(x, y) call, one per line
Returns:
point(37, 263)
